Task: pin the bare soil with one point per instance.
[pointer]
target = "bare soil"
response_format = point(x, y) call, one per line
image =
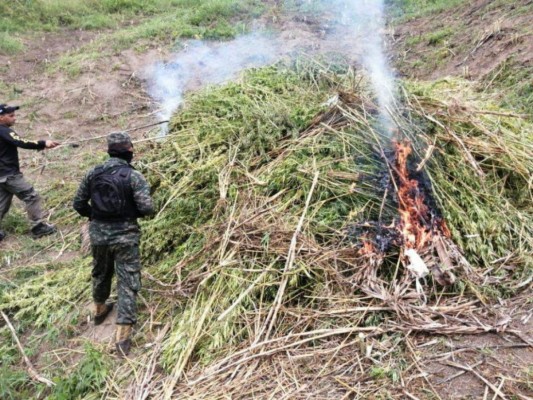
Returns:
point(479, 37)
point(103, 333)
point(499, 359)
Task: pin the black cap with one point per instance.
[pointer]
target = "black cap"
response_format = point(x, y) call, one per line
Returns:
point(5, 109)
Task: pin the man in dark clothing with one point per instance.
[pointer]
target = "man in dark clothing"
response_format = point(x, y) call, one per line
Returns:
point(113, 195)
point(12, 181)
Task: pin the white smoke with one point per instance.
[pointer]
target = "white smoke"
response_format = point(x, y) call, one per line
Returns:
point(351, 27)
point(365, 19)
point(203, 63)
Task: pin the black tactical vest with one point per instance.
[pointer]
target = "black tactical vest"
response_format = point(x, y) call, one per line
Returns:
point(111, 195)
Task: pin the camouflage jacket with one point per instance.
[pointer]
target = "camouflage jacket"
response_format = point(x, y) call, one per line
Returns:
point(105, 233)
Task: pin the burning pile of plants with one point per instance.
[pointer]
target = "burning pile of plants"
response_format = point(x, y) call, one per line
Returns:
point(299, 248)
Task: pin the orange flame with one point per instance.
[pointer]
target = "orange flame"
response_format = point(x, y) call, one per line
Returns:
point(367, 248)
point(444, 228)
point(412, 208)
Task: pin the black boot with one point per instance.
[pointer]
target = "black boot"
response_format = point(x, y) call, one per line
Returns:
point(102, 311)
point(2, 235)
point(43, 229)
point(123, 339)
point(123, 347)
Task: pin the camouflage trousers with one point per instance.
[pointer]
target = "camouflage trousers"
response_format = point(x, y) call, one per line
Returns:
point(16, 185)
point(122, 259)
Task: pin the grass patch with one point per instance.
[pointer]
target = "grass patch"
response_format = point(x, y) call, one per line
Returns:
point(408, 9)
point(437, 37)
point(50, 15)
point(88, 376)
point(413, 40)
point(97, 21)
point(309, 7)
point(213, 19)
point(15, 222)
point(10, 44)
point(13, 383)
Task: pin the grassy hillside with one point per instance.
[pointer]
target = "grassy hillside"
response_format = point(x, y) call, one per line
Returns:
point(127, 21)
point(97, 14)
point(489, 42)
point(408, 9)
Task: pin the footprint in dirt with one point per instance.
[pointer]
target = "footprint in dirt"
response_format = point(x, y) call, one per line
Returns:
point(103, 333)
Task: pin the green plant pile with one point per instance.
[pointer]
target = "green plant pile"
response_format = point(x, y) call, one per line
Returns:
point(232, 185)
point(512, 85)
point(235, 174)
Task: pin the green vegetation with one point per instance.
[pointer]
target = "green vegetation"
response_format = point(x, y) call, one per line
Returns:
point(241, 165)
point(43, 299)
point(437, 37)
point(10, 44)
point(13, 383)
point(444, 46)
point(92, 14)
point(256, 168)
point(259, 122)
point(408, 9)
point(208, 20)
point(500, 148)
point(169, 20)
point(88, 377)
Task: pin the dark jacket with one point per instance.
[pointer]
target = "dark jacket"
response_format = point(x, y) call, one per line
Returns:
point(107, 233)
point(9, 143)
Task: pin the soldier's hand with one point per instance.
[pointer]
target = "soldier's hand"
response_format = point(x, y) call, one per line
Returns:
point(50, 144)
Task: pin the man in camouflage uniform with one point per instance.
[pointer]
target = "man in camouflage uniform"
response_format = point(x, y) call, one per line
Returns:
point(12, 182)
point(115, 237)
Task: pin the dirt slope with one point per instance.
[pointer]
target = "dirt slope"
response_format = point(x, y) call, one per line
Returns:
point(103, 96)
point(471, 40)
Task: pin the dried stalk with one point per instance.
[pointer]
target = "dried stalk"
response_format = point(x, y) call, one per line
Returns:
point(485, 381)
point(290, 262)
point(31, 369)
